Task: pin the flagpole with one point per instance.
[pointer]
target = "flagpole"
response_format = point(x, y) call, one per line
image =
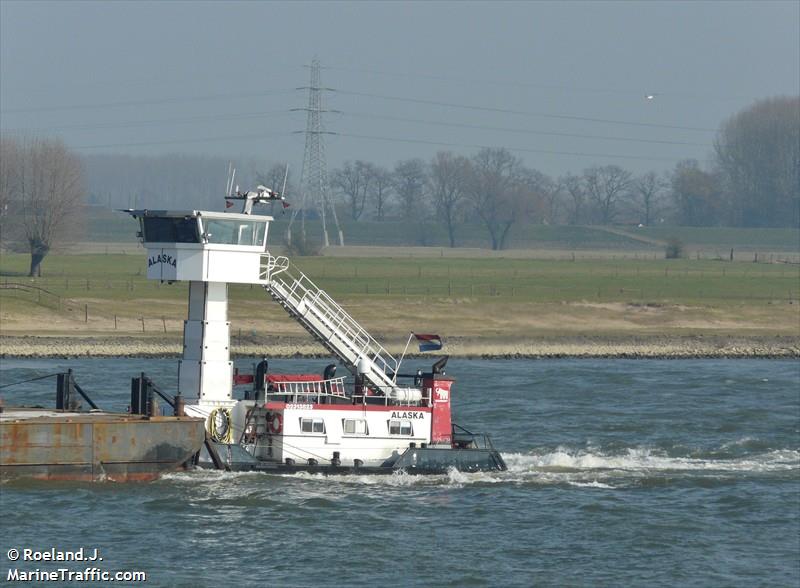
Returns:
point(401, 357)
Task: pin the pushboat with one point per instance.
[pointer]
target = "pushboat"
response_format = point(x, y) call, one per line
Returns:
point(376, 420)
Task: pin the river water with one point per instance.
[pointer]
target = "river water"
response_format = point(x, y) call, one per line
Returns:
point(621, 473)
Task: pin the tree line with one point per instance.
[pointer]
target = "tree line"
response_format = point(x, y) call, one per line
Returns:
point(752, 180)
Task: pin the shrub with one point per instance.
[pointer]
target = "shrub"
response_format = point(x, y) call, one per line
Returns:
point(674, 249)
point(302, 247)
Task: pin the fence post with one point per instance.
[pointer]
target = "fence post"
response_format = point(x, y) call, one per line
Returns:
point(164, 323)
point(86, 313)
point(142, 319)
point(115, 322)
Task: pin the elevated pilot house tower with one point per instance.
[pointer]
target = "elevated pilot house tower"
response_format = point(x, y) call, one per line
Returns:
point(209, 250)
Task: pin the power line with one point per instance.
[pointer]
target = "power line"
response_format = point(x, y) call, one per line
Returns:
point(373, 138)
point(256, 115)
point(178, 141)
point(522, 84)
point(144, 123)
point(517, 149)
point(206, 98)
point(523, 112)
point(523, 131)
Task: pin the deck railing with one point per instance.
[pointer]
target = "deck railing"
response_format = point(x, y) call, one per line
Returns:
point(308, 391)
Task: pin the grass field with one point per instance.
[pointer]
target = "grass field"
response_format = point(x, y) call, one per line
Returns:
point(108, 226)
point(471, 298)
point(683, 281)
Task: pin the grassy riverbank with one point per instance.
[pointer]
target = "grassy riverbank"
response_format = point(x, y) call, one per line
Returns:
point(90, 304)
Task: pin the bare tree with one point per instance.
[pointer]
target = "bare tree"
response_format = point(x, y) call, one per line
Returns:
point(380, 190)
point(697, 195)
point(9, 155)
point(546, 194)
point(44, 181)
point(646, 193)
point(409, 180)
point(352, 181)
point(448, 175)
point(605, 186)
point(498, 193)
point(758, 151)
point(577, 192)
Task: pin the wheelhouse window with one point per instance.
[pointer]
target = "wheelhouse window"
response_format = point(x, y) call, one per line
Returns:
point(354, 426)
point(157, 229)
point(235, 232)
point(312, 425)
point(400, 428)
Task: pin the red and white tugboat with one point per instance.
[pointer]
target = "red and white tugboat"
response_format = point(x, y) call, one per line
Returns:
point(377, 421)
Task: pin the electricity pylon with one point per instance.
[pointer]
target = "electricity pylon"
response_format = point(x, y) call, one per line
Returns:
point(314, 187)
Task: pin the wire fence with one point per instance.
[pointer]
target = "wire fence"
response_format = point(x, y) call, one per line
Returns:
point(85, 312)
point(617, 284)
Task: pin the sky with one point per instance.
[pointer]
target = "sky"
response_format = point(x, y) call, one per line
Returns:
point(563, 85)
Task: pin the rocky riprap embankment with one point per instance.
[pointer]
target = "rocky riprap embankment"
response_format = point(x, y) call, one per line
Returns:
point(666, 347)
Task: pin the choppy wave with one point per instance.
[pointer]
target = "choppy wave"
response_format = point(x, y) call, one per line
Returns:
point(590, 469)
point(646, 459)
point(580, 468)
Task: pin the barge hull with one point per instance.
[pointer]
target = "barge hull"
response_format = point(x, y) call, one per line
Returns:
point(55, 445)
point(423, 461)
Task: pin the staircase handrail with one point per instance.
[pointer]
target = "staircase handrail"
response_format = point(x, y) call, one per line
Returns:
point(272, 265)
point(303, 289)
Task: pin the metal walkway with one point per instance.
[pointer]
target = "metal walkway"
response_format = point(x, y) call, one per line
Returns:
point(331, 325)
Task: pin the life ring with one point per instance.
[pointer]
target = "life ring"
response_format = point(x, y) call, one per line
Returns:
point(219, 425)
point(276, 425)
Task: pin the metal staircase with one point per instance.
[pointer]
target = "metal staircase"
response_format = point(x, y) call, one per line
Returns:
point(332, 326)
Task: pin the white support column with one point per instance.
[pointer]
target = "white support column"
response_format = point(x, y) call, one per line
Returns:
point(205, 374)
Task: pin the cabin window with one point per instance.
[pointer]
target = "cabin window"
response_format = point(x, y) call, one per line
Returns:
point(312, 425)
point(355, 427)
point(159, 229)
point(235, 232)
point(400, 428)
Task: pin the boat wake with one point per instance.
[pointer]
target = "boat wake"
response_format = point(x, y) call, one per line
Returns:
point(563, 466)
point(596, 469)
point(646, 459)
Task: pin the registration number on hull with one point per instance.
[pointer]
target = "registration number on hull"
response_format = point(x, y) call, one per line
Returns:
point(299, 406)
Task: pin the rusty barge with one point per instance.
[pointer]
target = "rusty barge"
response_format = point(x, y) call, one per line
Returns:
point(94, 446)
point(68, 444)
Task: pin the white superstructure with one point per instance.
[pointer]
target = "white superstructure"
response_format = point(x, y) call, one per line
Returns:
point(209, 250)
point(293, 421)
point(307, 420)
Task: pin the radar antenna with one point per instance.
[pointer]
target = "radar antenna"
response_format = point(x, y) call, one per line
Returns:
point(261, 195)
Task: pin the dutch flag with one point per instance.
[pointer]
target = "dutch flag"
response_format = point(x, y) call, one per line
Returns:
point(428, 342)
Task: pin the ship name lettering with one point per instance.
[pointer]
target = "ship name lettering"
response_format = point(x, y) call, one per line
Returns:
point(408, 415)
point(161, 258)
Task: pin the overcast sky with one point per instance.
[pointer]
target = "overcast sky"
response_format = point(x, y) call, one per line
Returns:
point(561, 84)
